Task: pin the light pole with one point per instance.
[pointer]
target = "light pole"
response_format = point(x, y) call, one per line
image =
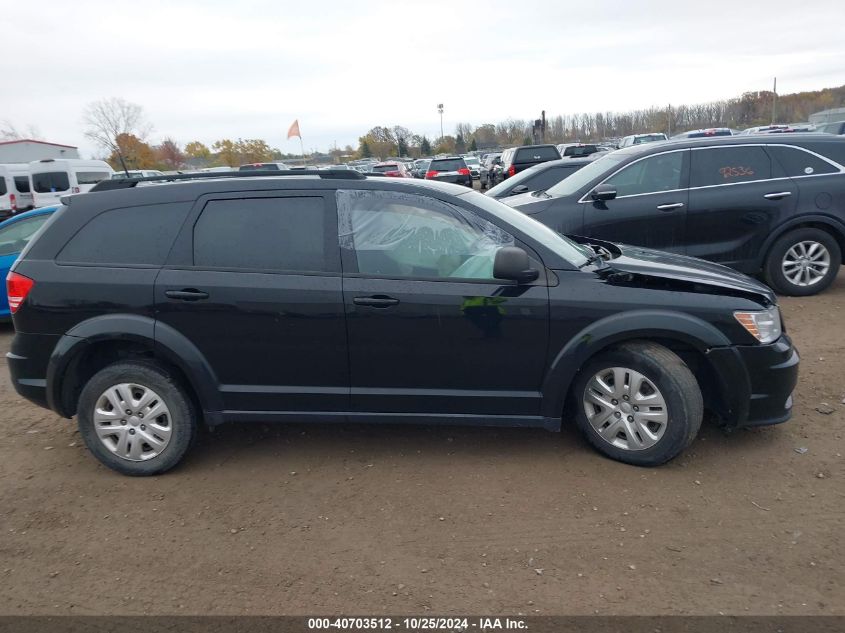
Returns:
point(440, 110)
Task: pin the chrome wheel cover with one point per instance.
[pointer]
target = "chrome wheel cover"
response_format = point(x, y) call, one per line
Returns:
point(132, 422)
point(625, 408)
point(806, 263)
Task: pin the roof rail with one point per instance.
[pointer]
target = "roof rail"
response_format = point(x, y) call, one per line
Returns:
point(128, 183)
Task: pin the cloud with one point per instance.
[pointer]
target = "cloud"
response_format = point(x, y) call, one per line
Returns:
point(209, 70)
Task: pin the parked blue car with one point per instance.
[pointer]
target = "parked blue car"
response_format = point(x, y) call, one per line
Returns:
point(14, 235)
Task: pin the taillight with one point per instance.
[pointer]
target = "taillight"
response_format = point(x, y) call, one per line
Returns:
point(463, 171)
point(431, 174)
point(392, 173)
point(13, 202)
point(17, 287)
point(511, 170)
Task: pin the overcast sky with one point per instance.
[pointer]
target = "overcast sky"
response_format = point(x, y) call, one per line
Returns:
point(204, 70)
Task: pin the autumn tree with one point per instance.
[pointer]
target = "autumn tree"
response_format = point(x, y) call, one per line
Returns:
point(108, 120)
point(195, 149)
point(253, 151)
point(226, 153)
point(133, 152)
point(170, 155)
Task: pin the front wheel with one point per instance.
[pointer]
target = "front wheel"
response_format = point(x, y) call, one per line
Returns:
point(639, 403)
point(803, 262)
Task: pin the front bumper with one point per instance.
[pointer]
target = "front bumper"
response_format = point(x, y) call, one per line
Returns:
point(756, 381)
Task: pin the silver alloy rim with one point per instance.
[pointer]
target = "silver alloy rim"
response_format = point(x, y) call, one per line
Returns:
point(132, 421)
point(625, 408)
point(806, 263)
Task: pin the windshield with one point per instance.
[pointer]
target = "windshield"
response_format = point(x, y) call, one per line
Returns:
point(648, 138)
point(574, 253)
point(585, 175)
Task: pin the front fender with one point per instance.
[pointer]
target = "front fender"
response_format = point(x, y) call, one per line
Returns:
point(624, 326)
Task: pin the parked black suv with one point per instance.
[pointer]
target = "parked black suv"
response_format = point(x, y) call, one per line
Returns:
point(323, 295)
point(515, 159)
point(772, 205)
point(452, 169)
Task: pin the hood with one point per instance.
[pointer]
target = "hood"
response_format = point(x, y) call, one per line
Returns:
point(648, 262)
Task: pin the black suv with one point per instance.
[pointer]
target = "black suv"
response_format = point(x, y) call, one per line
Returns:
point(515, 159)
point(148, 309)
point(452, 169)
point(772, 205)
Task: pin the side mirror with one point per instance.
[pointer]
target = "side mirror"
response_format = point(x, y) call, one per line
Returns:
point(512, 263)
point(519, 189)
point(603, 192)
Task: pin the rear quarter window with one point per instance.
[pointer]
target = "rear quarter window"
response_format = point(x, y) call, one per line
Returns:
point(126, 236)
point(834, 150)
point(3, 188)
point(797, 162)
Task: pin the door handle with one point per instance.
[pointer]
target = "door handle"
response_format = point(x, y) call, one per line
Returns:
point(670, 207)
point(186, 294)
point(377, 301)
point(777, 195)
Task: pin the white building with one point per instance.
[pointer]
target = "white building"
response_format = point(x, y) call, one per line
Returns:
point(26, 150)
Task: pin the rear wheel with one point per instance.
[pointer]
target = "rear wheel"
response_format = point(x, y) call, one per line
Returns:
point(136, 419)
point(803, 262)
point(639, 403)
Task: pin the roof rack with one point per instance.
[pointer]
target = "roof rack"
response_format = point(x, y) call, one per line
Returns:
point(128, 183)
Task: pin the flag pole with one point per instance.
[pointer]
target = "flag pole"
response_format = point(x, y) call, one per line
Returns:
point(302, 148)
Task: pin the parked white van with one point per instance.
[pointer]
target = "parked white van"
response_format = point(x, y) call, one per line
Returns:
point(52, 178)
point(136, 173)
point(14, 189)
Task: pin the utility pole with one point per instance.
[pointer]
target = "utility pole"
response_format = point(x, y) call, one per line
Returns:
point(775, 101)
point(669, 121)
point(440, 110)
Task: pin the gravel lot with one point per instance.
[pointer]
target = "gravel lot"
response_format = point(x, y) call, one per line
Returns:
point(296, 519)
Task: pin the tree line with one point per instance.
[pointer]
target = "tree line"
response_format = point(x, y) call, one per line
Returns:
point(748, 110)
point(120, 129)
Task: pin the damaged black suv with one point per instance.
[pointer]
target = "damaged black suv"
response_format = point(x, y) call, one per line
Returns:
point(149, 308)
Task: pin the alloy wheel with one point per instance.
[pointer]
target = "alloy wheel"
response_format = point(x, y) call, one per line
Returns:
point(806, 263)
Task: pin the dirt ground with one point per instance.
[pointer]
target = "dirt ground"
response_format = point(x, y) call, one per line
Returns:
point(305, 519)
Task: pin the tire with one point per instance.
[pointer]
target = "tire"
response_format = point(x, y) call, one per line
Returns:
point(661, 434)
point(127, 450)
point(818, 248)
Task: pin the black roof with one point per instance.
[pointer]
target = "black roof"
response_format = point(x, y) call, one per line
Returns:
point(792, 138)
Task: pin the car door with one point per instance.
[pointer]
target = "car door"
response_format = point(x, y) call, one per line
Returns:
point(737, 197)
point(650, 204)
point(254, 283)
point(431, 333)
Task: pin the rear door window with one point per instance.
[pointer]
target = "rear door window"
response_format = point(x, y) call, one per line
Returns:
point(131, 235)
point(50, 182)
point(537, 153)
point(797, 162)
point(267, 234)
point(728, 165)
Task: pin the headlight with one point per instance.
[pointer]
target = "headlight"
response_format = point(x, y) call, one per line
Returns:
point(763, 325)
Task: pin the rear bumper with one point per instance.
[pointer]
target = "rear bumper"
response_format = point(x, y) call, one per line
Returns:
point(28, 360)
point(757, 381)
